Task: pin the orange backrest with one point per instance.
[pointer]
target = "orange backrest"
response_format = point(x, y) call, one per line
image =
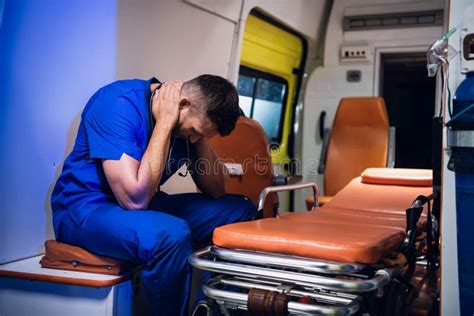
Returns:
point(359, 140)
point(247, 145)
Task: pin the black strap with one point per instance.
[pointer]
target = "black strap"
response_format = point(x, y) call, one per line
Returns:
point(429, 231)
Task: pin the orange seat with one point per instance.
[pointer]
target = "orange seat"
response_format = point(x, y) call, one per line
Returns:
point(247, 146)
point(359, 139)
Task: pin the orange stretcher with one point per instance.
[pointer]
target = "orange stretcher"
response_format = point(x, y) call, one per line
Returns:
point(356, 254)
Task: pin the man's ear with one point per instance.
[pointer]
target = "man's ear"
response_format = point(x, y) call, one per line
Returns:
point(184, 102)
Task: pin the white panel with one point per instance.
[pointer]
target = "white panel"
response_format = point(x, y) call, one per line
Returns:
point(171, 39)
point(20, 297)
point(227, 9)
point(302, 15)
point(53, 57)
point(376, 38)
point(364, 7)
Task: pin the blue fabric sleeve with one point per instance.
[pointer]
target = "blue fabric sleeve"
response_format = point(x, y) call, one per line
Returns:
point(112, 126)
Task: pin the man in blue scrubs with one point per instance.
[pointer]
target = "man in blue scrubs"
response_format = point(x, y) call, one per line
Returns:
point(133, 136)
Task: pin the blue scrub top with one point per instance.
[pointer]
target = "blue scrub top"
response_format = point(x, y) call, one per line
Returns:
point(116, 120)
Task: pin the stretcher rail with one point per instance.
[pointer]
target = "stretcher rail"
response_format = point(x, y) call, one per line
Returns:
point(201, 260)
point(285, 261)
point(290, 187)
point(342, 306)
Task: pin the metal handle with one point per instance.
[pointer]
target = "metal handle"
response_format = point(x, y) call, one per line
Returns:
point(290, 187)
point(324, 151)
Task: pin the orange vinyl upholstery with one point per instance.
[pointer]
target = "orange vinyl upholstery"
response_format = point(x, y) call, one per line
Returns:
point(360, 224)
point(359, 139)
point(248, 145)
point(399, 176)
point(338, 241)
point(323, 199)
point(379, 198)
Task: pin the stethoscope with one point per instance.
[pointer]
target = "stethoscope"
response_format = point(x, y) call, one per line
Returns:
point(152, 125)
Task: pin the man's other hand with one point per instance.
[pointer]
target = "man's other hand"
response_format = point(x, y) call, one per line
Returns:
point(165, 106)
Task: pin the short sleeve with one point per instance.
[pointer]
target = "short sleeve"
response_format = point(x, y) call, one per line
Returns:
point(112, 126)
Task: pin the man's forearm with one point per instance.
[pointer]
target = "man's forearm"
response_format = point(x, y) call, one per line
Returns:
point(209, 172)
point(152, 164)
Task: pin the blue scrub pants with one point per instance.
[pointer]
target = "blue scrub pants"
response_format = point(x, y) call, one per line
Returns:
point(160, 239)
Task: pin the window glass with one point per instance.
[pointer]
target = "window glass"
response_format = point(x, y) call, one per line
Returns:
point(245, 86)
point(245, 104)
point(268, 106)
point(262, 97)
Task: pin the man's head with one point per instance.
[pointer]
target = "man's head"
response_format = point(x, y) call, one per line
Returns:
point(209, 106)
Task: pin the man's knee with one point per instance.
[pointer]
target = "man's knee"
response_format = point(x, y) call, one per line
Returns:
point(242, 207)
point(174, 238)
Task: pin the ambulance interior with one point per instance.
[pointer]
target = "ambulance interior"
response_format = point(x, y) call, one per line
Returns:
point(353, 154)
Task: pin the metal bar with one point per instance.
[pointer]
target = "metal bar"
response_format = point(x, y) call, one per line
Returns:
point(328, 299)
point(391, 147)
point(285, 261)
point(458, 138)
point(324, 151)
point(381, 278)
point(290, 187)
point(222, 296)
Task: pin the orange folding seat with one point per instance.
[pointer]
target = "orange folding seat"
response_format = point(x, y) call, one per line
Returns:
point(359, 139)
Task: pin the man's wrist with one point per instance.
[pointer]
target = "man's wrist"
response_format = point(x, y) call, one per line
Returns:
point(164, 126)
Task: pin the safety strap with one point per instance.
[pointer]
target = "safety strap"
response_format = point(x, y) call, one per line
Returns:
point(429, 233)
point(267, 303)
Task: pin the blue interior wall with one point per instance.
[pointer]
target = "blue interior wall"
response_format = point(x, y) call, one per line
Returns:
point(53, 55)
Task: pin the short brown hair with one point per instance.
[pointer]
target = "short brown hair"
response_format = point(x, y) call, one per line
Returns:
point(220, 100)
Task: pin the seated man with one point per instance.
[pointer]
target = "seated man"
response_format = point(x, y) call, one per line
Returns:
point(133, 136)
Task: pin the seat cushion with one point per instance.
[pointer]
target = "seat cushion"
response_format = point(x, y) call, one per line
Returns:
point(332, 214)
point(337, 241)
point(68, 257)
point(399, 176)
point(393, 199)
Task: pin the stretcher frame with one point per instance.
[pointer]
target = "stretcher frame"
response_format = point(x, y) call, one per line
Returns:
point(337, 288)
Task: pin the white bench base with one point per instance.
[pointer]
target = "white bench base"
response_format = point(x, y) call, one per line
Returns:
point(27, 289)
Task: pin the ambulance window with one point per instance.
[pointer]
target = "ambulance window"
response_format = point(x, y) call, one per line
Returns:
point(268, 106)
point(262, 96)
point(245, 87)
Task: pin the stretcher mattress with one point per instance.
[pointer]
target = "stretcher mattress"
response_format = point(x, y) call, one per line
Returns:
point(337, 241)
point(362, 223)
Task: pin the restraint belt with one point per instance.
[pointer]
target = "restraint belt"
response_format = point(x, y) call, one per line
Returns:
point(267, 303)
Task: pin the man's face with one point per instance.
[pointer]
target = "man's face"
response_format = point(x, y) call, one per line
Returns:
point(193, 125)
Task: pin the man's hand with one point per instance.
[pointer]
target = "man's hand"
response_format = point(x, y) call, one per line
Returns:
point(210, 182)
point(165, 104)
